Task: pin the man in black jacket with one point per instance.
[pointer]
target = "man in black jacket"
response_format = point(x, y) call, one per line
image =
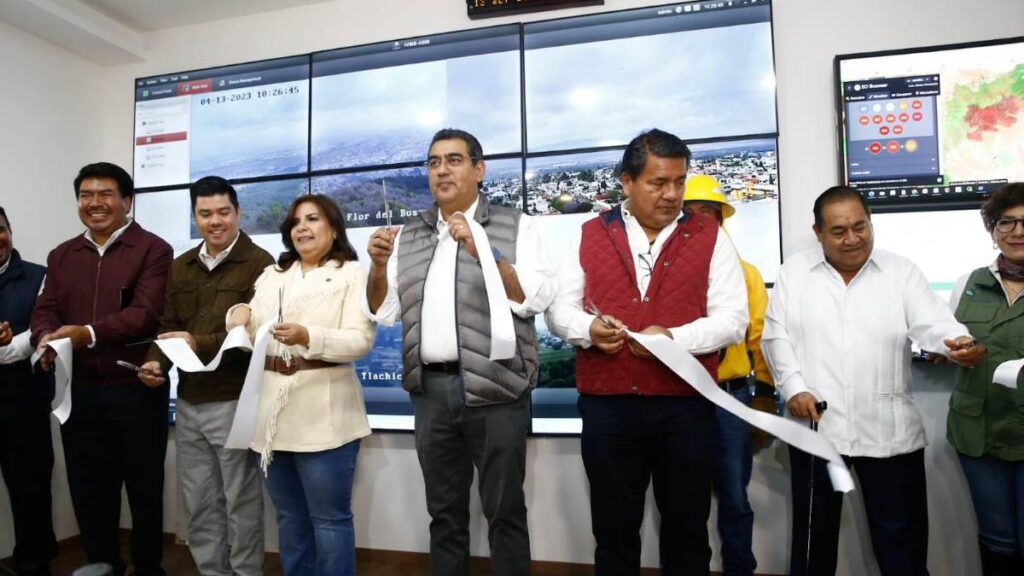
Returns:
point(26, 448)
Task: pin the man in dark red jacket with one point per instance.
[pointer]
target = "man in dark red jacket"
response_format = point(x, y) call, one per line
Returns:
point(651, 267)
point(105, 291)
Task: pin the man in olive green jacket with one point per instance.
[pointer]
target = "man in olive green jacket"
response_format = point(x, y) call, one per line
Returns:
point(221, 486)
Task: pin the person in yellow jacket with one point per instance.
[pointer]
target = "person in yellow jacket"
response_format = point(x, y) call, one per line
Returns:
point(743, 373)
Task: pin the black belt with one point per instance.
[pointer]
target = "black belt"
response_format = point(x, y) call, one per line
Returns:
point(452, 367)
point(735, 384)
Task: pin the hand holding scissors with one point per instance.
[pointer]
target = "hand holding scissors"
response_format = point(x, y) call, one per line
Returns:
point(606, 332)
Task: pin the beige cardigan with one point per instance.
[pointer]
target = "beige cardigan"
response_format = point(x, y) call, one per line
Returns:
point(319, 409)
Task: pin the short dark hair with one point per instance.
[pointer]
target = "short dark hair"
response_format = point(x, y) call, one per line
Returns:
point(476, 151)
point(212, 186)
point(1009, 196)
point(125, 185)
point(652, 142)
point(341, 249)
point(3, 214)
point(837, 194)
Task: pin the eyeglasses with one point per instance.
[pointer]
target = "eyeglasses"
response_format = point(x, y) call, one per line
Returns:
point(1007, 225)
point(452, 160)
point(647, 267)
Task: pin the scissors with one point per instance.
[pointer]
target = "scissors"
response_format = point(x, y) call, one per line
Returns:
point(591, 308)
point(387, 209)
point(131, 366)
point(280, 305)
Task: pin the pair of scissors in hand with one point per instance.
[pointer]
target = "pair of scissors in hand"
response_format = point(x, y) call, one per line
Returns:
point(591, 308)
point(387, 209)
point(280, 305)
point(131, 366)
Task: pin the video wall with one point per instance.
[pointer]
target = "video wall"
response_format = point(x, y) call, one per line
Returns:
point(553, 104)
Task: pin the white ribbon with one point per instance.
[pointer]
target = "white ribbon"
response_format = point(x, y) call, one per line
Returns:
point(1007, 372)
point(61, 403)
point(244, 425)
point(179, 353)
point(503, 333)
point(680, 361)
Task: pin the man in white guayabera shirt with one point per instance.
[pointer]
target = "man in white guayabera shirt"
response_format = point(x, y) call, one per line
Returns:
point(838, 329)
point(469, 410)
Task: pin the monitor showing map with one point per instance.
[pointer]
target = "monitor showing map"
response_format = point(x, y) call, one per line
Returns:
point(934, 125)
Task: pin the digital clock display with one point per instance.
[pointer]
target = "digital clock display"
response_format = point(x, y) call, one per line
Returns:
point(489, 8)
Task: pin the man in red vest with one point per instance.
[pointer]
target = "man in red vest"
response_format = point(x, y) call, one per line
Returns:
point(649, 266)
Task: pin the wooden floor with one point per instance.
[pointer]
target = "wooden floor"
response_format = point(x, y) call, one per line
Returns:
point(178, 562)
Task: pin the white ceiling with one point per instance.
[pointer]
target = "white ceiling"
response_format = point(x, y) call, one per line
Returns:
point(113, 32)
point(149, 15)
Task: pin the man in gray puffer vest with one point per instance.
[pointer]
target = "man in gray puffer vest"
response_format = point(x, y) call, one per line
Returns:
point(469, 410)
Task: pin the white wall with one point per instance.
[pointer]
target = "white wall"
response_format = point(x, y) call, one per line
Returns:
point(50, 126)
point(44, 138)
point(388, 500)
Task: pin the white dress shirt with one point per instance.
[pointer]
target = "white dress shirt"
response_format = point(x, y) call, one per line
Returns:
point(850, 345)
point(727, 314)
point(534, 270)
point(211, 262)
point(110, 241)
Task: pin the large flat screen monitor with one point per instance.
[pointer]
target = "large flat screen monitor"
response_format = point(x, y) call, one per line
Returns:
point(932, 126)
point(701, 70)
point(379, 104)
point(240, 121)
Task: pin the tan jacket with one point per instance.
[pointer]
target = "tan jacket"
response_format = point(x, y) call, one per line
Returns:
point(320, 409)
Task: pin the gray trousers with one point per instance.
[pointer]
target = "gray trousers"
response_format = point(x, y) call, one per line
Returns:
point(222, 490)
point(450, 440)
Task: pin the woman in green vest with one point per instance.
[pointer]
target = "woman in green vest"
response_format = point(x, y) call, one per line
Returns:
point(986, 420)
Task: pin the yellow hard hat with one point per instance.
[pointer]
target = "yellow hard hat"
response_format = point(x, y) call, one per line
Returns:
point(704, 188)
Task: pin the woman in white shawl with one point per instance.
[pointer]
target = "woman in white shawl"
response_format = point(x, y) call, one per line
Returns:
point(311, 414)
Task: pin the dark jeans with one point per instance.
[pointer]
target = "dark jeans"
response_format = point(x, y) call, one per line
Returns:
point(896, 500)
point(734, 453)
point(997, 491)
point(629, 440)
point(117, 435)
point(451, 439)
point(26, 459)
point(312, 492)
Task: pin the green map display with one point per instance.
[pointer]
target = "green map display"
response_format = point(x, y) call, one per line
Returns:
point(981, 123)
